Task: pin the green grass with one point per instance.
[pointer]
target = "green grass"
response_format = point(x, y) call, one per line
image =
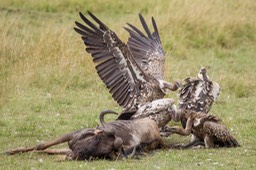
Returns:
point(48, 84)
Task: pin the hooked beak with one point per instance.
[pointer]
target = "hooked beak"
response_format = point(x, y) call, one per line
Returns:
point(202, 74)
point(203, 70)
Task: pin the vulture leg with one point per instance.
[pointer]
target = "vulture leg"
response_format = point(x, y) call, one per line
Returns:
point(181, 131)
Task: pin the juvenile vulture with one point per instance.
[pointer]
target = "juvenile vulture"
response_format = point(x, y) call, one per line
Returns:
point(133, 72)
point(207, 128)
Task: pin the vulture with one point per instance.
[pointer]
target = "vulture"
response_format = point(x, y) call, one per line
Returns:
point(132, 72)
point(207, 128)
point(197, 94)
point(160, 110)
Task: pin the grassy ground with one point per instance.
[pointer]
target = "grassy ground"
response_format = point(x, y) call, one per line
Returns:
point(48, 84)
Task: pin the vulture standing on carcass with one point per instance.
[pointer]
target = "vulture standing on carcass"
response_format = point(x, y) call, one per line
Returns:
point(133, 73)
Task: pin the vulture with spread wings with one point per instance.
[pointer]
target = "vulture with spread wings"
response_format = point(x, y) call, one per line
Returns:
point(132, 72)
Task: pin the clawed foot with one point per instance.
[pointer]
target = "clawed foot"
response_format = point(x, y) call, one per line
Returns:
point(166, 131)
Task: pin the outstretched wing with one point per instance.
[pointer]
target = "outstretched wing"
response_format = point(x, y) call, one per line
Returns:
point(114, 62)
point(147, 49)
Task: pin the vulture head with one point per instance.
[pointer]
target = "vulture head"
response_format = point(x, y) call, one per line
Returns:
point(203, 74)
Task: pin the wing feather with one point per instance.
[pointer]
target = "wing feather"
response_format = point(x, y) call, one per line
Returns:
point(115, 64)
point(145, 26)
point(113, 84)
point(124, 95)
point(147, 49)
point(107, 64)
point(121, 90)
point(197, 95)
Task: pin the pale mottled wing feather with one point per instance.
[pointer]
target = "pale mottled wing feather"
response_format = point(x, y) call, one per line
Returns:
point(198, 95)
point(187, 99)
point(114, 64)
point(160, 110)
point(147, 49)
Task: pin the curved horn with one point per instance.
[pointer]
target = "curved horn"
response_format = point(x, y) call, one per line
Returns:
point(102, 116)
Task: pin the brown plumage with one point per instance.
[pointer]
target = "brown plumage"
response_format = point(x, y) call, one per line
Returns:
point(161, 111)
point(147, 50)
point(133, 73)
point(199, 93)
point(207, 128)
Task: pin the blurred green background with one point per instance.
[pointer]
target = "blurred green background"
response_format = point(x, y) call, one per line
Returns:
point(48, 84)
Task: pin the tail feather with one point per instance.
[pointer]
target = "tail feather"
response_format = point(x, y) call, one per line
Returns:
point(232, 142)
